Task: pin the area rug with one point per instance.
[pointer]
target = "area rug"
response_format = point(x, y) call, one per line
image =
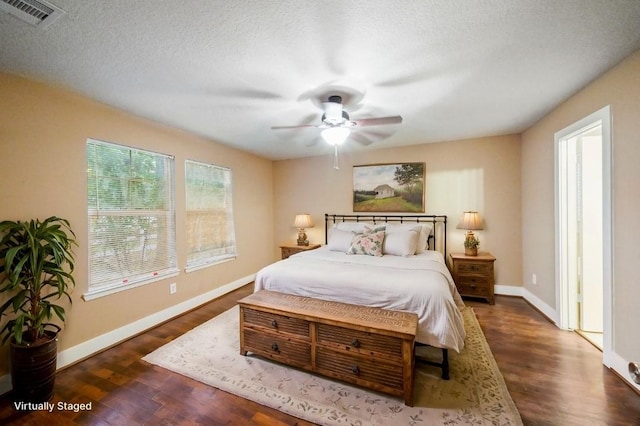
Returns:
point(476, 394)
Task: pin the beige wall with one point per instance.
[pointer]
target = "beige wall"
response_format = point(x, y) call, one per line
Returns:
point(43, 133)
point(620, 88)
point(475, 174)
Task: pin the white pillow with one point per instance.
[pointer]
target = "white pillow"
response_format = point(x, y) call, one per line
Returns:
point(402, 227)
point(340, 240)
point(423, 241)
point(393, 228)
point(352, 226)
point(401, 243)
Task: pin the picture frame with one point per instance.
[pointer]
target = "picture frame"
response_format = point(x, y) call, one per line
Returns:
point(389, 187)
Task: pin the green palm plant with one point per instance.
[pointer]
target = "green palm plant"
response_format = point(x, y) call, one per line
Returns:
point(36, 266)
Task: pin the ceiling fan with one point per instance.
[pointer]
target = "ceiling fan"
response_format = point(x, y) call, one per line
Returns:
point(337, 125)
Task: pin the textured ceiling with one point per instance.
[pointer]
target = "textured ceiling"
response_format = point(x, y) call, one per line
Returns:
point(229, 70)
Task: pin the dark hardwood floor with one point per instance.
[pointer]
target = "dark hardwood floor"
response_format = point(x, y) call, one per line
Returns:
point(554, 376)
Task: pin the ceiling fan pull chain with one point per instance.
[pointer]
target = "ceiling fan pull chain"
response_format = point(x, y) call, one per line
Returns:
point(335, 158)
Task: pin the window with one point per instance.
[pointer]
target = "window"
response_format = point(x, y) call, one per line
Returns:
point(131, 217)
point(210, 231)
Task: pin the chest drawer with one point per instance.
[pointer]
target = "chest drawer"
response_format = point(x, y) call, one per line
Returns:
point(473, 268)
point(277, 347)
point(359, 341)
point(473, 286)
point(359, 370)
point(277, 323)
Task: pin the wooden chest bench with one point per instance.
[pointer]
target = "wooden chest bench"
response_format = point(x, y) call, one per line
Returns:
point(369, 347)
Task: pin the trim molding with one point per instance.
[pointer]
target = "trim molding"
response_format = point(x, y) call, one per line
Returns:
point(508, 290)
point(532, 299)
point(546, 310)
point(621, 367)
point(92, 346)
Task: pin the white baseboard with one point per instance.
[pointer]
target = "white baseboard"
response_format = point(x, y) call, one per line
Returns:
point(508, 290)
point(539, 304)
point(621, 367)
point(97, 344)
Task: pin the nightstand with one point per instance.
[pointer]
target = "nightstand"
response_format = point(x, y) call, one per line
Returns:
point(291, 249)
point(473, 275)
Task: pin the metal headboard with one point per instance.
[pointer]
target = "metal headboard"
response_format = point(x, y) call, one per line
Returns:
point(439, 223)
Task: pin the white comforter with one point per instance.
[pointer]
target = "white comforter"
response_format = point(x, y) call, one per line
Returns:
point(420, 284)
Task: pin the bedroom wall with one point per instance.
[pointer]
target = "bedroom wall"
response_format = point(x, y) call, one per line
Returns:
point(474, 174)
point(43, 132)
point(620, 88)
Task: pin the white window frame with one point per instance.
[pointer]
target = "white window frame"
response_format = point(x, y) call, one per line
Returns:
point(125, 282)
point(229, 253)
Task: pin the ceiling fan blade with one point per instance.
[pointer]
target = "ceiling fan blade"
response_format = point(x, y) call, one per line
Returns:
point(306, 122)
point(299, 126)
point(360, 139)
point(378, 121)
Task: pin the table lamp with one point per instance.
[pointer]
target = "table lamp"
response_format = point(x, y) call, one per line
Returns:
point(301, 222)
point(471, 222)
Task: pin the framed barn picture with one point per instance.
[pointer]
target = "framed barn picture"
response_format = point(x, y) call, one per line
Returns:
point(397, 187)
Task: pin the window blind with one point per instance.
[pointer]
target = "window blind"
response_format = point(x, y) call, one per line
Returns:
point(210, 226)
point(131, 215)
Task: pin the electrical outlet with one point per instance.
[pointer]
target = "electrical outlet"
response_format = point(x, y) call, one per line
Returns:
point(534, 279)
point(173, 287)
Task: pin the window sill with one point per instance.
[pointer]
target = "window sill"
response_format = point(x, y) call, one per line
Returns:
point(206, 265)
point(108, 290)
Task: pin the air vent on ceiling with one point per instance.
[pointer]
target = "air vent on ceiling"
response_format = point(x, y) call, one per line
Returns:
point(35, 12)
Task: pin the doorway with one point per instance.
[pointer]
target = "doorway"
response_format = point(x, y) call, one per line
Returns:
point(583, 228)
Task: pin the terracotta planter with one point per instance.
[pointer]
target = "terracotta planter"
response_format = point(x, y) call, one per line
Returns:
point(471, 251)
point(33, 369)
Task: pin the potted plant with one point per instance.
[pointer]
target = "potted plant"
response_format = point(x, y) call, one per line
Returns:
point(471, 244)
point(36, 266)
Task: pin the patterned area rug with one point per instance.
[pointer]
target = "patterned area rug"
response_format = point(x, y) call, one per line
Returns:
point(475, 395)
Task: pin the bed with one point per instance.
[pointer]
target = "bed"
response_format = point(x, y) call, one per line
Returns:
point(386, 261)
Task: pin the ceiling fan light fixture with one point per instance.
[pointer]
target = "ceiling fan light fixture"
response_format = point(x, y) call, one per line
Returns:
point(335, 135)
point(333, 112)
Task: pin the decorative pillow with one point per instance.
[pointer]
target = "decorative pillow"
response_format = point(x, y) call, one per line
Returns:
point(401, 243)
point(376, 228)
point(369, 243)
point(340, 240)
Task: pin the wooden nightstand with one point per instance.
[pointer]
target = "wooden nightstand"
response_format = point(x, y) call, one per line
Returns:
point(473, 275)
point(290, 249)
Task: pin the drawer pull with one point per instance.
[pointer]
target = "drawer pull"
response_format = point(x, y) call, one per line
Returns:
point(274, 346)
point(473, 286)
point(274, 323)
point(355, 370)
point(355, 343)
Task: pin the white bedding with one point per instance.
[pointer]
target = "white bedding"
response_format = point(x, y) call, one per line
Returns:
point(420, 283)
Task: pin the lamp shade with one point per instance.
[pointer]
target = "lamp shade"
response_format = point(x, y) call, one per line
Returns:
point(470, 221)
point(303, 221)
point(335, 135)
